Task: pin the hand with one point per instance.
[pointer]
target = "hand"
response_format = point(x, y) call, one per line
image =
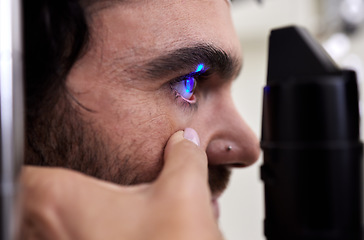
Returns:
point(63, 204)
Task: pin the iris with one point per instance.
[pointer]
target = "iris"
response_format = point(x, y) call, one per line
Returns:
point(185, 86)
point(190, 85)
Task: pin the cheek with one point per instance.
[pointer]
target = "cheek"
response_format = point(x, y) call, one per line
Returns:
point(153, 114)
point(143, 138)
point(137, 126)
point(141, 128)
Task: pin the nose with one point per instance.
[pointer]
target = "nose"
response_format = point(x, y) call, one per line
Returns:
point(231, 142)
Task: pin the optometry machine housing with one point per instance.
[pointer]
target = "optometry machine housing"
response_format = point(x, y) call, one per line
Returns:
point(312, 168)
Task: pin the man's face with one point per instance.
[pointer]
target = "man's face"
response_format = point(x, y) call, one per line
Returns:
point(134, 88)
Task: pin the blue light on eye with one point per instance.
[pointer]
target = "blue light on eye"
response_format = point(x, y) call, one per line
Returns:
point(199, 68)
point(185, 86)
point(190, 84)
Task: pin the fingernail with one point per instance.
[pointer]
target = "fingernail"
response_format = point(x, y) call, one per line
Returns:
point(191, 135)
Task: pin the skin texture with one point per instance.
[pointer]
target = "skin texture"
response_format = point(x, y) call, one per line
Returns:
point(135, 113)
point(120, 112)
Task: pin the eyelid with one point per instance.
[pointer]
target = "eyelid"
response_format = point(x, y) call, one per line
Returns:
point(183, 78)
point(199, 76)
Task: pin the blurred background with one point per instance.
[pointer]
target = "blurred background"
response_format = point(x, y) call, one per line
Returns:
point(339, 26)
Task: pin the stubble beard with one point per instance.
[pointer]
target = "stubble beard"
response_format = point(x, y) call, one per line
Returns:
point(62, 138)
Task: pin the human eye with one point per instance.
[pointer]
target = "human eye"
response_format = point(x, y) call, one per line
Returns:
point(185, 86)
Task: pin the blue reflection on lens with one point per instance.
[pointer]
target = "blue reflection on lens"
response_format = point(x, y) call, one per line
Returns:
point(189, 83)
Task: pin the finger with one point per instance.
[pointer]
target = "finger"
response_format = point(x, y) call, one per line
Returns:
point(185, 164)
point(182, 189)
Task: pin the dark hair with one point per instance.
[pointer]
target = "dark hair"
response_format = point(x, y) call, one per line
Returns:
point(55, 35)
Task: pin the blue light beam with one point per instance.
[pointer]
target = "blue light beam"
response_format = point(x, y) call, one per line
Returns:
point(199, 68)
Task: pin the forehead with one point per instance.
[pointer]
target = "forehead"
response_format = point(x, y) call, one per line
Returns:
point(138, 30)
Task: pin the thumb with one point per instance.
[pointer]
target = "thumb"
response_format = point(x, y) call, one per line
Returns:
point(183, 190)
point(185, 163)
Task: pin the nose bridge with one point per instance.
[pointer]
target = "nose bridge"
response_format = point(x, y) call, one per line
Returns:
point(226, 118)
point(229, 112)
point(232, 142)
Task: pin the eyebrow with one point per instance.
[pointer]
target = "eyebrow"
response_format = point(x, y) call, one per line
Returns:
point(186, 59)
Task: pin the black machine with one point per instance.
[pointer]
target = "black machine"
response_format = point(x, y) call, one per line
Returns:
point(312, 168)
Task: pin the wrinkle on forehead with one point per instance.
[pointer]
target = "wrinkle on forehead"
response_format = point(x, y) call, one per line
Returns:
point(93, 6)
point(135, 33)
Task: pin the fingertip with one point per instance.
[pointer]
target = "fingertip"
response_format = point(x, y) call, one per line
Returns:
point(188, 133)
point(185, 163)
point(176, 137)
point(191, 135)
point(180, 150)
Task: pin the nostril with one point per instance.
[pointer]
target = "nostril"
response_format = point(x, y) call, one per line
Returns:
point(237, 165)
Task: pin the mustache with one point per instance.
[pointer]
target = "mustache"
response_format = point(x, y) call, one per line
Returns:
point(219, 177)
